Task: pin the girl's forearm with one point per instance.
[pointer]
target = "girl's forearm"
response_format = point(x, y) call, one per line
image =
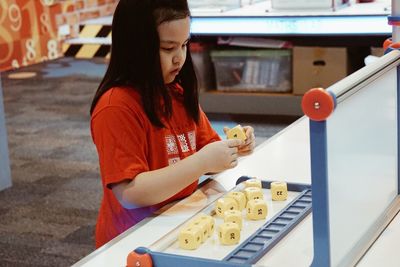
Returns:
point(152, 187)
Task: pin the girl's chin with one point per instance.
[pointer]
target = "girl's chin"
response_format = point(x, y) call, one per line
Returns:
point(169, 79)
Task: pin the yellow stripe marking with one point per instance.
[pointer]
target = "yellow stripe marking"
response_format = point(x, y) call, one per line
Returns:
point(88, 51)
point(90, 31)
point(65, 47)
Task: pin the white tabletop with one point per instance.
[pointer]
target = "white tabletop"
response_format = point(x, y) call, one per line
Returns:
point(283, 157)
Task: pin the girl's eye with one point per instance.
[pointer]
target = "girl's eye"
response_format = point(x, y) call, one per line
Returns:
point(167, 48)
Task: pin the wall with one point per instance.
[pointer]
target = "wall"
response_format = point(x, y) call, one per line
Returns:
point(29, 29)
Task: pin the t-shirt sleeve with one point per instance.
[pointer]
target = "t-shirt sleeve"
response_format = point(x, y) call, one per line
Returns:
point(120, 139)
point(205, 133)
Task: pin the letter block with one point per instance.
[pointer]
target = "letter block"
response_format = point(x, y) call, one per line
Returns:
point(190, 237)
point(253, 183)
point(256, 209)
point(229, 233)
point(240, 198)
point(236, 132)
point(204, 229)
point(209, 221)
point(234, 216)
point(279, 191)
point(253, 193)
point(224, 204)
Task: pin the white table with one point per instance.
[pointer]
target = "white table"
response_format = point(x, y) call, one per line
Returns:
point(283, 157)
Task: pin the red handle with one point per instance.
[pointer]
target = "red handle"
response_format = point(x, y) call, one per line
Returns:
point(317, 104)
point(139, 260)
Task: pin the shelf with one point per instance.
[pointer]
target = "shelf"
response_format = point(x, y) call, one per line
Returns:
point(261, 19)
point(354, 23)
point(251, 103)
point(292, 25)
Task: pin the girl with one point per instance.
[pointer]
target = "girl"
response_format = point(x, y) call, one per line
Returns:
point(153, 140)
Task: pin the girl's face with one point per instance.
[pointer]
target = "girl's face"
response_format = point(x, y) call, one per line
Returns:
point(174, 36)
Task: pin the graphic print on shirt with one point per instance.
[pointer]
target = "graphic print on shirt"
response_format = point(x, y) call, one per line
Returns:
point(187, 143)
point(192, 140)
point(172, 148)
point(183, 143)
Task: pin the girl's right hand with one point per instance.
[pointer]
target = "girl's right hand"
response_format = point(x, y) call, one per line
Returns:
point(219, 156)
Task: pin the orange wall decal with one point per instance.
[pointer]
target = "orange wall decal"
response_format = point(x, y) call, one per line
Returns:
point(29, 28)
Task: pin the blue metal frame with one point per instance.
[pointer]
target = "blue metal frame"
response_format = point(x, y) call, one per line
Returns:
point(319, 185)
point(161, 259)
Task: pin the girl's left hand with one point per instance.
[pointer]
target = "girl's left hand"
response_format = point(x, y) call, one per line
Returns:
point(250, 141)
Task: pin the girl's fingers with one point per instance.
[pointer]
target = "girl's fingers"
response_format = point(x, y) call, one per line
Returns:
point(245, 153)
point(226, 129)
point(234, 163)
point(233, 143)
point(249, 131)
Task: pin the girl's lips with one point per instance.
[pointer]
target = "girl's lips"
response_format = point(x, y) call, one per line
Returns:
point(175, 71)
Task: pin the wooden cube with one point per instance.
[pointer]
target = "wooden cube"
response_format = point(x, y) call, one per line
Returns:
point(279, 191)
point(190, 237)
point(236, 132)
point(256, 209)
point(229, 233)
point(253, 193)
point(240, 198)
point(253, 183)
point(234, 216)
point(204, 228)
point(209, 220)
point(224, 204)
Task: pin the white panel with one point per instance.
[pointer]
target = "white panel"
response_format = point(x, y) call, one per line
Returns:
point(362, 162)
point(314, 25)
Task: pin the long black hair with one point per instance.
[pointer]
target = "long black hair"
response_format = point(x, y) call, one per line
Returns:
point(135, 58)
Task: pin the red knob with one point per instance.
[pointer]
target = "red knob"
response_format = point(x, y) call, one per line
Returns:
point(317, 104)
point(139, 260)
point(387, 43)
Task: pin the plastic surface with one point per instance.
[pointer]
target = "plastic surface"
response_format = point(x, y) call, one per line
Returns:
point(355, 168)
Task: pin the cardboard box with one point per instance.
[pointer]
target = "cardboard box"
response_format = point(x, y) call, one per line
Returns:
point(258, 70)
point(318, 67)
point(377, 51)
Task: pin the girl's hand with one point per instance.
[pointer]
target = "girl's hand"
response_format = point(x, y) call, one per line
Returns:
point(219, 156)
point(250, 142)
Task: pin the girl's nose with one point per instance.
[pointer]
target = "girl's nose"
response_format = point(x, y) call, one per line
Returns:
point(179, 57)
point(175, 60)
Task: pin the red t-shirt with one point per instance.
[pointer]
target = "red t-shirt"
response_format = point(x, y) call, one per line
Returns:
point(128, 144)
